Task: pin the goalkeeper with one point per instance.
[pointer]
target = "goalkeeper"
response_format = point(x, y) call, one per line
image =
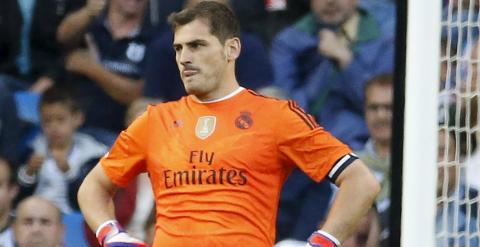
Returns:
point(218, 158)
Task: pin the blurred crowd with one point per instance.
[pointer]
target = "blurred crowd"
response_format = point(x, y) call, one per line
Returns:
point(74, 73)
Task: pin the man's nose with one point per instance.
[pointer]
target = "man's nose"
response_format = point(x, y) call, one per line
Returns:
point(384, 112)
point(36, 226)
point(185, 56)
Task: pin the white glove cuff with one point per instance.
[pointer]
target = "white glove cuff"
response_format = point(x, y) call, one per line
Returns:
point(97, 232)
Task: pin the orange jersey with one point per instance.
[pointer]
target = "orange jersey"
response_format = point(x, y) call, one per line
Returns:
point(217, 168)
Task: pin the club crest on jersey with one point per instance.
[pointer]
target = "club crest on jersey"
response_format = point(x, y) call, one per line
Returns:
point(135, 52)
point(205, 126)
point(244, 121)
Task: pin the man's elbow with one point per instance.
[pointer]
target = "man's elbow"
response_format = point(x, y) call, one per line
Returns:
point(373, 187)
point(64, 40)
point(369, 182)
point(82, 192)
point(88, 187)
point(359, 177)
point(128, 98)
point(61, 39)
point(128, 95)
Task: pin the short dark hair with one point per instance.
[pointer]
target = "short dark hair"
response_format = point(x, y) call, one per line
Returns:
point(221, 19)
point(59, 95)
point(380, 80)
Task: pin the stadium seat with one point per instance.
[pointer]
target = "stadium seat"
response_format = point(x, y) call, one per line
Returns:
point(74, 232)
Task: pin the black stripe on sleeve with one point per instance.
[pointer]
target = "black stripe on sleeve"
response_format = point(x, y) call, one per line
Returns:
point(302, 115)
point(310, 117)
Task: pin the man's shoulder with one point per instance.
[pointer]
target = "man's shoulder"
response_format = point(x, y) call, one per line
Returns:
point(277, 110)
point(377, 21)
point(172, 105)
point(265, 100)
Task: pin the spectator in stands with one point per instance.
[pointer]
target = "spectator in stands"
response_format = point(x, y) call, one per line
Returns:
point(61, 157)
point(454, 223)
point(109, 73)
point(283, 13)
point(29, 56)
point(376, 153)
point(162, 79)
point(8, 191)
point(38, 223)
point(325, 59)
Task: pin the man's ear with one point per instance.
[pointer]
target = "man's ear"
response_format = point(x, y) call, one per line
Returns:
point(13, 192)
point(233, 48)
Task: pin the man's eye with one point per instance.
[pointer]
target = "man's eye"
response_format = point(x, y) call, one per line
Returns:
point(45, 222)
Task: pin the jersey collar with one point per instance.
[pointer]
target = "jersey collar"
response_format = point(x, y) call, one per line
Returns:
point(228, 96)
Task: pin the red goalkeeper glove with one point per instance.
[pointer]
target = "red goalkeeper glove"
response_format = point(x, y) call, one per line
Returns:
point(322, 239)
point(111, 234)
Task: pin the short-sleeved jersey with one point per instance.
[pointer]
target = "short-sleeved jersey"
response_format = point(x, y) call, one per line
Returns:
point(217, 168)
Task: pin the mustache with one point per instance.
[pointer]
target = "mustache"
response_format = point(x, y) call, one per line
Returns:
point(189, 67)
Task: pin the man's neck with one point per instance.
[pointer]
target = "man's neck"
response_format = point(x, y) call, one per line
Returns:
point(62, 146)
point(382, 149)
point(220, 97)
point(121, 25)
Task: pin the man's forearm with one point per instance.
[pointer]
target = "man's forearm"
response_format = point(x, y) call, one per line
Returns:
point(120, 88)
point(95, 200)
point(353, 200)
point(73, 28)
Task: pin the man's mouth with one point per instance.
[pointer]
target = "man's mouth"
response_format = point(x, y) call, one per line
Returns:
point(189, 72)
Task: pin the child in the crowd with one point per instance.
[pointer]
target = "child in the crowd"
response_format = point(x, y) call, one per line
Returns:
point(61, 157)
